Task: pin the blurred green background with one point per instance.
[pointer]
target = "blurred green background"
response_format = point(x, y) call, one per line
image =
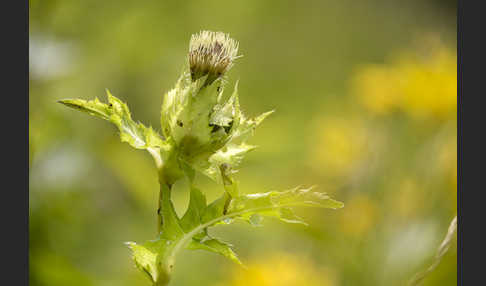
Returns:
point(365, 99)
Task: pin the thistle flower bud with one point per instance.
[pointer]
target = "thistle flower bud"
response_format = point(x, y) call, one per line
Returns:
point(211, 54)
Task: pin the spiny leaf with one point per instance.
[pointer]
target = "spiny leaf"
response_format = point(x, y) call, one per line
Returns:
point(231, 154)
point(230, 185)
point(186, 110)
point(214, 245)
point(192, 230)
point(215, 209)
point(117, 112)
point(287, 215)
point(245, 127)
point(223, 115)
point(149, 258)
point(197, 206)
point(171, 225)
point(230, 129)
point(93, 107)
point(277, 204)
point(289, 198)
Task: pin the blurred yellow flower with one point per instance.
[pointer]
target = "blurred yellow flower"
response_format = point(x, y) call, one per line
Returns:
point(375, 84)
point(282, 270)
point(447, 164)
point(338, 144)
point(453, 188)
point(408, 199)
point(422, 86)
point(359, 216)
point(447, 160)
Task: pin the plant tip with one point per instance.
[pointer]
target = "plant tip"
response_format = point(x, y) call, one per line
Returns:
point(211, 54)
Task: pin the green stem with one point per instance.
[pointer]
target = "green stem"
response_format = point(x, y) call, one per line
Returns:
point(164, 210)
point(159, 212)
point(164, 205)
point(159, 164)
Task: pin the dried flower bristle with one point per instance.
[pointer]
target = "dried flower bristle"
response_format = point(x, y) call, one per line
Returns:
point(212, 54)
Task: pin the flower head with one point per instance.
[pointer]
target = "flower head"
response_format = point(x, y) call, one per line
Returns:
point(212, 54)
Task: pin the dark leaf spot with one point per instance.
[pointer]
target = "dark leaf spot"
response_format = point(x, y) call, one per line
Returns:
point(215, 128)
point(228, 128)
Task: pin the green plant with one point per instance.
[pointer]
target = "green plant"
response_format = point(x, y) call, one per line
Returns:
point(202, 131)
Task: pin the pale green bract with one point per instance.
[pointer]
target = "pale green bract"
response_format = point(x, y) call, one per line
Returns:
point(206, 133)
